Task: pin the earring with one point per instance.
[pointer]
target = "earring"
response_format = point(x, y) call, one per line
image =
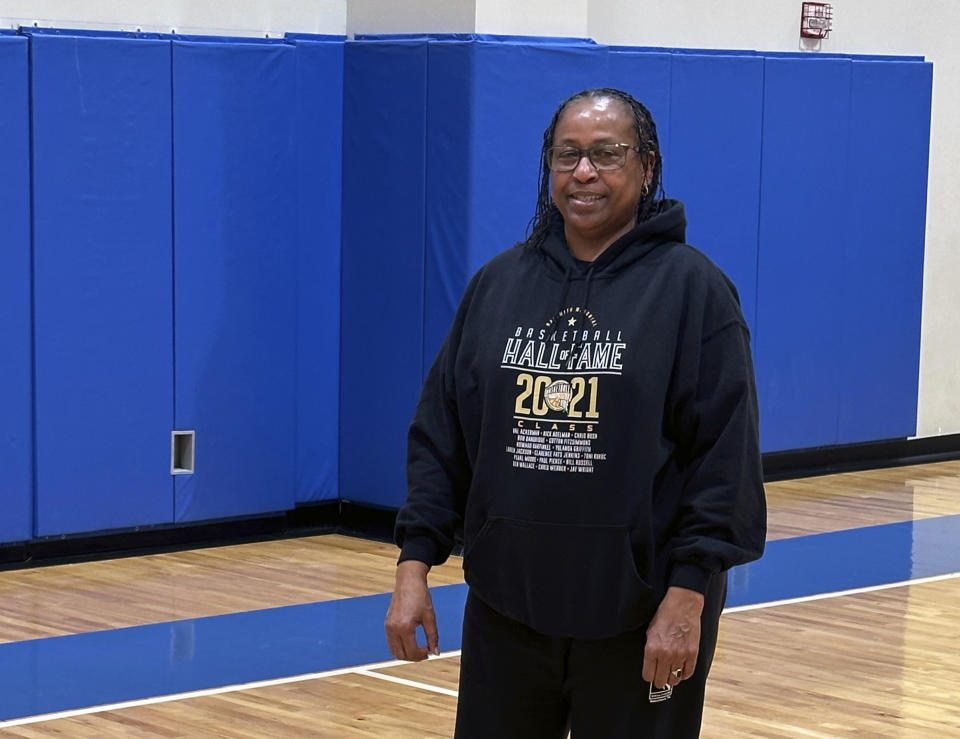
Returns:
point(646, 189)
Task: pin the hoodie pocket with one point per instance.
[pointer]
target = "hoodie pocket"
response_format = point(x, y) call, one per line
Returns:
point(560, 579)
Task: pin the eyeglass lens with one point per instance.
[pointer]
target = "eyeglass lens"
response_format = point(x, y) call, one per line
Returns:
point(604, 158)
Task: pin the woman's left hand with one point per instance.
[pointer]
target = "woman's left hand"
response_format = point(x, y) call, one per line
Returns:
point(673, 638)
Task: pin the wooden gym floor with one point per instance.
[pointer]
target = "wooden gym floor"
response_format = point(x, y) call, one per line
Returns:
point(881, 659)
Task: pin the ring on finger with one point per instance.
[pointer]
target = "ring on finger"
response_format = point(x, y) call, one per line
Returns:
point(677, 672)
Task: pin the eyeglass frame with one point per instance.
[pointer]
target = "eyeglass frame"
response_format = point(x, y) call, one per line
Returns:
point(548, 156)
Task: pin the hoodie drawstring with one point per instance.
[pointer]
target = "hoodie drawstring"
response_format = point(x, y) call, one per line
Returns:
point(586, 294)
point(577, 349)
point(567, 278)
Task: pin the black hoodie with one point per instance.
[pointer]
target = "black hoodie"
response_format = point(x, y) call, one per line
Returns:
point(591, 429)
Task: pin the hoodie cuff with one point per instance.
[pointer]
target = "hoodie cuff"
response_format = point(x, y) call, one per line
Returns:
point(420, 548)
point(690, 576)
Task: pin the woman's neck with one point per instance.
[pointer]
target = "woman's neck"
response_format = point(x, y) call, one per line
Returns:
point(588, 249)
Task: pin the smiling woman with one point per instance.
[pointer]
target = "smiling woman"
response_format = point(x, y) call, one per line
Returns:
point(599, 194)
point(600, 502)
point(600, 170)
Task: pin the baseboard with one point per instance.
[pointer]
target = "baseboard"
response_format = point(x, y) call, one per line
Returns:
point(852, 457)
point(312, 519)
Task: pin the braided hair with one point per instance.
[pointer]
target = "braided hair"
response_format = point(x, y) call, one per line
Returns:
point(546, 215)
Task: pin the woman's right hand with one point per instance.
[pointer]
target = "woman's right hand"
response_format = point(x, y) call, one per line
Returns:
point(411, 606)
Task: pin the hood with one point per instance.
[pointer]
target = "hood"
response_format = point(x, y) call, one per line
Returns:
point(668, 224)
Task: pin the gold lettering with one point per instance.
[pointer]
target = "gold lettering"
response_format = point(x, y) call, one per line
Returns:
point(525, 381)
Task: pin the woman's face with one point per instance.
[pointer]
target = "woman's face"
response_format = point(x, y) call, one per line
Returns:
point(598, 207)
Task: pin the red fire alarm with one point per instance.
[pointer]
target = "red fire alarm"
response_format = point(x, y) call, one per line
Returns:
point(816, 20)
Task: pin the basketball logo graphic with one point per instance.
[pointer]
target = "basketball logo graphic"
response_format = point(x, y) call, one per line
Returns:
point(557, 395)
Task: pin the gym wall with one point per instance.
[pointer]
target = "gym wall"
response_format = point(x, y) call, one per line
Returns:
point(200, 261)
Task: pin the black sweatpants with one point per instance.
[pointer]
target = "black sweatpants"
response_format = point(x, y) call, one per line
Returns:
point(516, 683)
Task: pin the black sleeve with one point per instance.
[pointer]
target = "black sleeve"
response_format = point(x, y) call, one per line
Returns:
point(721, 521)
point(438, 468)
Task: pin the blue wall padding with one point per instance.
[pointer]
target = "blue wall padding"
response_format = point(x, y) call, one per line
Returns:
point(16, 388)
point(104, 361)
point(33, 31)
point(516, 90)
point(489, 104)
point(468, 37)
point(714, 161)
point(804, 229)
point(448, 214)
point(319, 133)
point(235, 250)
point(882, 264)
point(451, 197)
point(384, 126)
point(647, 76)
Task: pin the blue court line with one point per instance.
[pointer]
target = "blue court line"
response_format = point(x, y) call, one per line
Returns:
point(54, 674)
point(849, 559)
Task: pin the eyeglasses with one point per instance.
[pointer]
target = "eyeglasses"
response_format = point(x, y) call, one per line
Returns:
point(604, 157)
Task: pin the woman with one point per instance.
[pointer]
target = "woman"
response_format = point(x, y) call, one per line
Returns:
point(590, 426)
